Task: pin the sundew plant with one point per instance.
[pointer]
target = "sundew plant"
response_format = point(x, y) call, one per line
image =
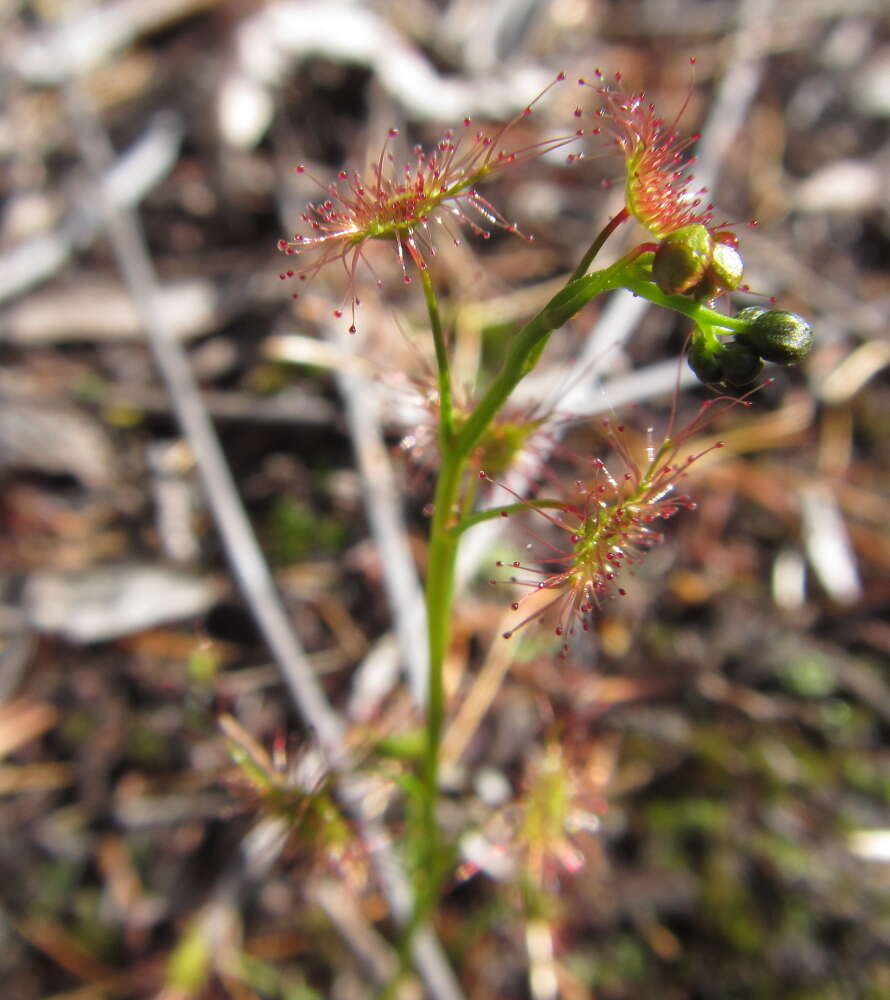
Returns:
point(596, 526)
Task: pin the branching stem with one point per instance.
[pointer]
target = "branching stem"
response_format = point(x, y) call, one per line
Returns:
point(453, 501)
point(511, 508)
point(597, 244)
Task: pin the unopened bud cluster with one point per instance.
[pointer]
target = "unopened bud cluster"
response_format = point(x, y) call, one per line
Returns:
point(768, 335)
point(692, 260)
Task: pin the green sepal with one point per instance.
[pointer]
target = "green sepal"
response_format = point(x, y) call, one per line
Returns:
point(723, 274)
point(682, 259)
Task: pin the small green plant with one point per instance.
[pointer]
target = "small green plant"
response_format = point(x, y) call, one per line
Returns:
point(607, 520)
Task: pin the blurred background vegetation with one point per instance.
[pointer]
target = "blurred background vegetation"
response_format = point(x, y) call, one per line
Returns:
point(723, 734)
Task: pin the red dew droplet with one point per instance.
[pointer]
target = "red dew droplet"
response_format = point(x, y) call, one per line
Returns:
point(392, 132)
point(282, 244)
point(352, 328)
point(338, 313)
point(482, 474)
point(290, 274)
point(282, 275)
point(515, 605)
point(560, 76)
point(515, 564)
point(467, 122)
point(499, 563)
point(622, 591)
point(299, 169)
point(505, 513)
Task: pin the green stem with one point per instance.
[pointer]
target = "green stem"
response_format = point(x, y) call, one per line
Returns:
point(530, 342)
point(635, 281)
point(490, 513)
point(449, 520)
point(439, 592)
point(597, 244)
point(456, 449)
point(446, 404)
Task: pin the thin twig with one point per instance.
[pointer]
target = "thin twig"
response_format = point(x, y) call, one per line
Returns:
point(278, 36)
point(237, 535)
point(382, 501)
point(126, 181)
point(241, 546)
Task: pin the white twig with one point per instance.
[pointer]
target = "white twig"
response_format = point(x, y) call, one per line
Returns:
point(828, 544)
point(382, 501)
point(282, 34)
point(125, 183)
point(243, 551)
point(237, 535)
point(87, 38)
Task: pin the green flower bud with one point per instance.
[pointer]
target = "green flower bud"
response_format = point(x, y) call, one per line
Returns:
point(704, 358)
point(682, 258)
point(779, 336)
point(740, 363)
point(750, 312)
point(723, 274)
